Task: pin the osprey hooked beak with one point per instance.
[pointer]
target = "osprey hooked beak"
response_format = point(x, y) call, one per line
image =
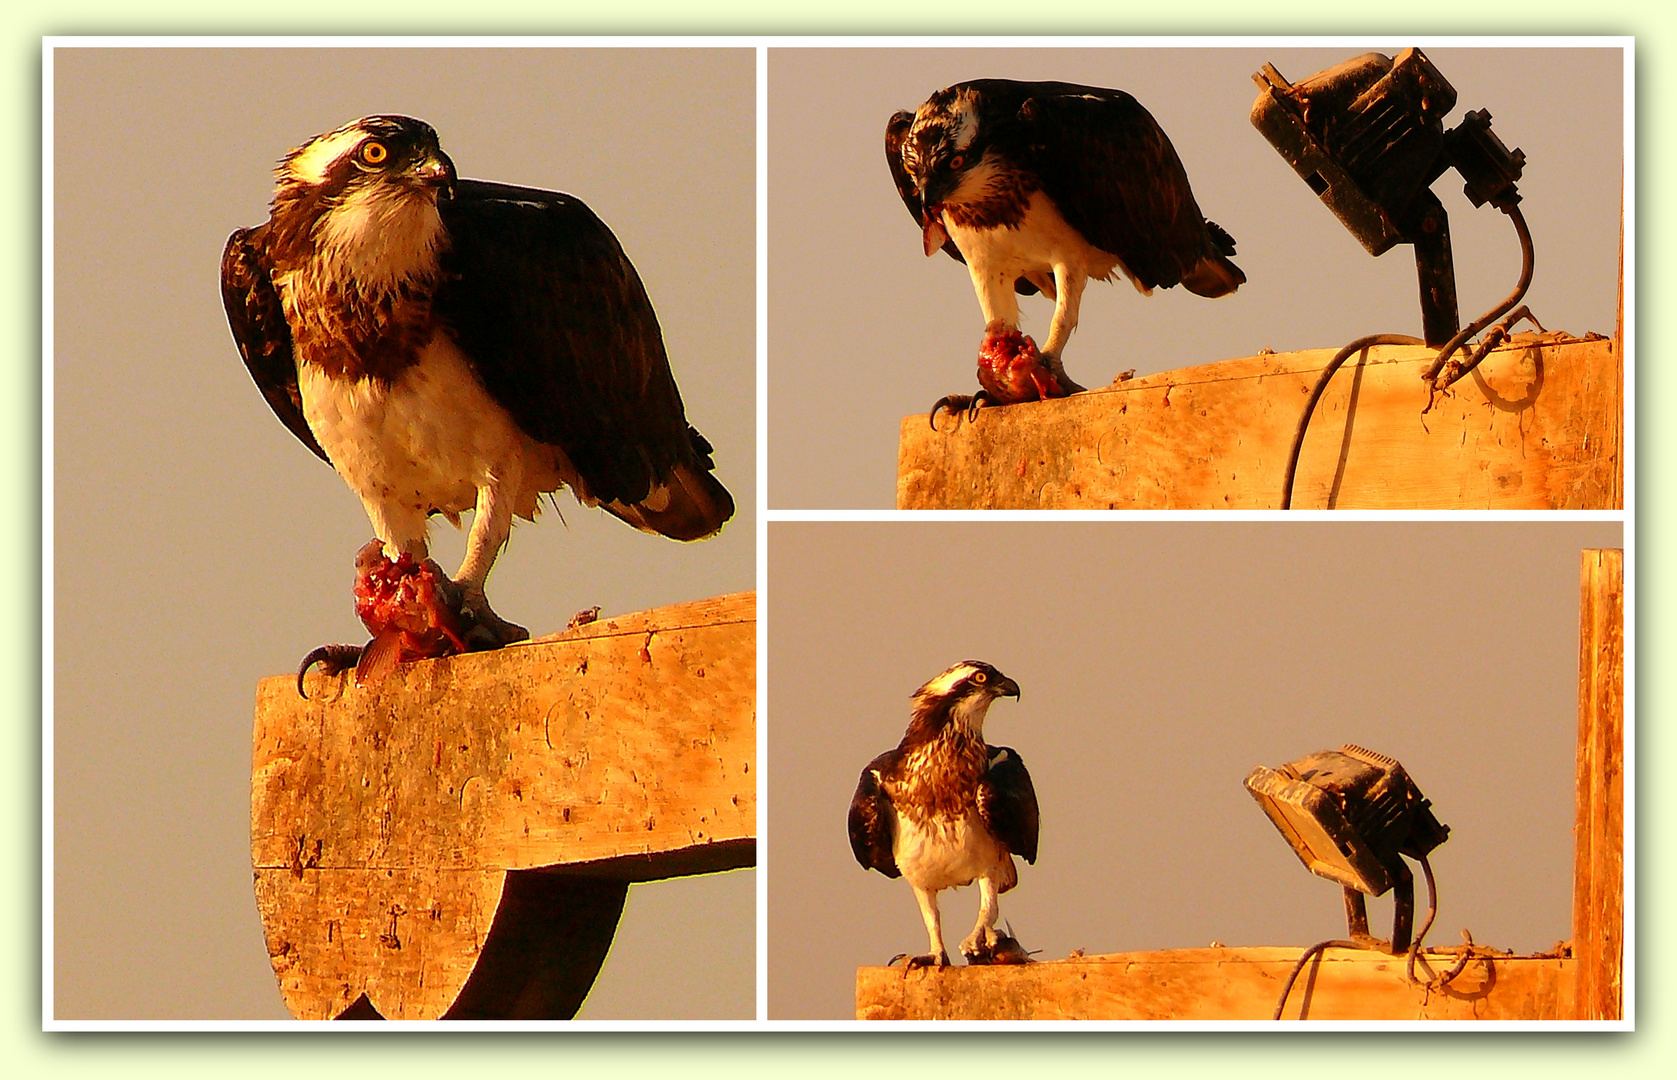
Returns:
point(934, 234)
point(434, 170)
point(931, 192)
point(1005, 688)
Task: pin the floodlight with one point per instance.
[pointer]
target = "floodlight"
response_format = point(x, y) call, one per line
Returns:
point(1368, 137)
point(1350, 815)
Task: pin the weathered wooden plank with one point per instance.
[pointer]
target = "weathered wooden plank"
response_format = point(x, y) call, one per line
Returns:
point(385, 820)
point(1537, 426)
point(1217, 984)
point(1598, 865)
point(628, 737)
point(407, 939)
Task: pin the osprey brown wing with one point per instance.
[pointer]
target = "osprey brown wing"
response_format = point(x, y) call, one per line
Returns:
point(540, 296)
point(870, 820)
point(260, 330)
point(1007, 802)
point(1116, 179)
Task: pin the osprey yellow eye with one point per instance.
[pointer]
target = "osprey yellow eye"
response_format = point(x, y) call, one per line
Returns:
point(957, 161)
point(978, 676)
point(374, 153)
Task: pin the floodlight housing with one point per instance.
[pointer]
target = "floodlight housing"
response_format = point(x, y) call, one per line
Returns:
point(1368, 137)
point(1350, 815)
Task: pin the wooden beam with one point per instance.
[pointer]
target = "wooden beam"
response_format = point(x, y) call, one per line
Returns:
point(1598, 910)
point(1218, 984)
point(1537, 426)
point(458, 839)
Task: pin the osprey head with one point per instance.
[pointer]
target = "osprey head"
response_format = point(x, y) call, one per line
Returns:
point(365, 197)
point(946, 154)
point(944, 143)
point(962, 694)
point(371, 151)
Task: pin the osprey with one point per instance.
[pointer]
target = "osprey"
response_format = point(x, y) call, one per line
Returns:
point(945, 809)
point(1038, 187)
point(451, 345)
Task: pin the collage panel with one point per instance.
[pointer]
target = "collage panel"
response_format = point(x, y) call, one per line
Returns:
point(982, 188)
point(1133, 686)
point(472, 835)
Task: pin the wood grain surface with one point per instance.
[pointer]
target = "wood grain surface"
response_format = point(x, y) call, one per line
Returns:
point(385, 820)
point(1539, 425)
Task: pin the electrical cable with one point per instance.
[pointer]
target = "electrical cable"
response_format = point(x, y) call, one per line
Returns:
point(1527, 262)
point(1441, 363)
point(1320, 946)
point(1465, 952)
point(1432, 913)
point(1316, 395)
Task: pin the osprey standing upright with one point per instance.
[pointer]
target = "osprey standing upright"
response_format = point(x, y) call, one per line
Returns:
point(945, 809)
point(451, 345)
point(1038, 187)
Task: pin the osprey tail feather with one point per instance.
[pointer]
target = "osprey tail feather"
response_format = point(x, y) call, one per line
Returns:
point(687, 504)
point(1215, 275)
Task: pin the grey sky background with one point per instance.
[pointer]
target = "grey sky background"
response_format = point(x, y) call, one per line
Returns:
point(1158, 663)
point(199, 546)
point(864, 329)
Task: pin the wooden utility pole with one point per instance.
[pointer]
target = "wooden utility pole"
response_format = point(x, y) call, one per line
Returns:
point(1537, 426)
point(1598, 890)
point(457, 841)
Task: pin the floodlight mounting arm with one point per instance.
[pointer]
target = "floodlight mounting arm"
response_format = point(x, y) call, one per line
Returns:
point(1403, 913)
point(1445, 370)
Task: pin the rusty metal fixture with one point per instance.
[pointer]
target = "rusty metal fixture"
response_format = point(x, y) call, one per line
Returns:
point(1368, 138)
point(1350, 815)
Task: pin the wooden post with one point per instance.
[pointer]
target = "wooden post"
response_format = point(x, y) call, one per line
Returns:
point(1598, 865)
point(1537, 426)
point(457, 841)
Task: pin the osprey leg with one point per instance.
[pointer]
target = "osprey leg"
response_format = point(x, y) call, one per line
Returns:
point(984, 937)
point(491, 525)
point(996, 296)
point(1068, 290)
point(1010, 367)
point(934, 930)
point(400, 529)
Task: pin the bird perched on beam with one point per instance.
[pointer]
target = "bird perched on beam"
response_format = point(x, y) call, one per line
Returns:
point(451, 345)
point(945, 809)
point(1038, 187)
